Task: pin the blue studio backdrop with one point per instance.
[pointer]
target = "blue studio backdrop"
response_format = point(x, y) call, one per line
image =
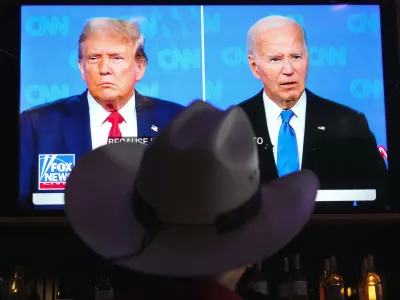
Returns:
point(200, 52)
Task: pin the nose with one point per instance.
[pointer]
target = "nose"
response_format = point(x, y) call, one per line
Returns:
point(104, 66)
point(287, 68)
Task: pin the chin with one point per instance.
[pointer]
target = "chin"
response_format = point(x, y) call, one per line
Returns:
point(108, 96)
point(288, 101)
point(292, 96)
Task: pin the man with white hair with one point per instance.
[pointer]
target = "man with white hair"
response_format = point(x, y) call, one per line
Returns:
point(111, 61)
point(298, 129)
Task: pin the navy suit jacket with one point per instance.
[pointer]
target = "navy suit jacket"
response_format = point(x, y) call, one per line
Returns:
point(63, 127)
point(344, 154)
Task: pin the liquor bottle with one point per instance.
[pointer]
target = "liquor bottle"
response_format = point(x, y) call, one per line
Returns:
point(299, 286)
point(17, 290)
point(284, 282)
point(361, 281)
point(334, 286)
point(373, 285)
point(33, 292)
point(64, 289)
point(2, 289)
point(352, 289)
point(352, 293)
point(324, 279)
point(103, 289)
point(258, 283)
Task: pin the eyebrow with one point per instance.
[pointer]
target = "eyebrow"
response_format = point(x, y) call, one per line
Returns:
point(271, 55)
point(98, 53)
point(279, 54)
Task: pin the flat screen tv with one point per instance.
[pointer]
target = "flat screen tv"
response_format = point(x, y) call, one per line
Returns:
point(332, 78)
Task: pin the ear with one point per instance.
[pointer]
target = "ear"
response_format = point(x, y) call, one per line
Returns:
point(253, 66)
point(82, 69)
point(140, 69)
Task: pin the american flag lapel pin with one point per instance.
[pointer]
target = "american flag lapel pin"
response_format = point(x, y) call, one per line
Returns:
point(154, 128)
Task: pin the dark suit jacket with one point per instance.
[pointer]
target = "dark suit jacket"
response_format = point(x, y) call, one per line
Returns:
point(63, 127)
point(344, 155)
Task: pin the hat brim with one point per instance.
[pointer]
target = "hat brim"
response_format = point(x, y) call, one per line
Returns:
point(98, 203)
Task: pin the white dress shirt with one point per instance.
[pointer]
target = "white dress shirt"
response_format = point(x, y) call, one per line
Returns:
point(99, 128)
point(274, 122)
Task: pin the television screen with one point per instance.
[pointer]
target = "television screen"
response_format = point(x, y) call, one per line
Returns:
point(310, 79)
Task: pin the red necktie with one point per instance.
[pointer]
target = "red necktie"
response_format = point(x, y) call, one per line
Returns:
point(115, 119)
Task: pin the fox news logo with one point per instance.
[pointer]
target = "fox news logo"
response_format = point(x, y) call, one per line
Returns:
point(54, 170)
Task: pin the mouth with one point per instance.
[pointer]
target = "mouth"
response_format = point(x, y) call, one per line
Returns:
point(106, 83)
point(289, 84)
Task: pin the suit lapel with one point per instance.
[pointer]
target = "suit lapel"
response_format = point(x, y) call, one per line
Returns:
point(145, 115)
point(265, 151)
point(314, 128)
point(76, 123)
point(76, 126)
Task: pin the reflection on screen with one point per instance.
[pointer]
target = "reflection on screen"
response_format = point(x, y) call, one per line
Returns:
point(198, 52)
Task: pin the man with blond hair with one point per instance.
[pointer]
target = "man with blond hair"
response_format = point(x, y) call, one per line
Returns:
point(298, 129)
point(111, 61)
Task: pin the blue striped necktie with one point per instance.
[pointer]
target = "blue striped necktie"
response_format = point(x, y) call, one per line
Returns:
point(288, 154)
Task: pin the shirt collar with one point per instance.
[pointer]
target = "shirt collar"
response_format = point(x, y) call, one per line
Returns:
point(274, 111)
point(98, 114)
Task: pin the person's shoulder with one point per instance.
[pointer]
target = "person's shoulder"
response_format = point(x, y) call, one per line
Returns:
point(330, 107)
point(55, 106)
point(250, 103)
point(158, 104)
point(251, 100)
point(168, 104)
point(346, 121)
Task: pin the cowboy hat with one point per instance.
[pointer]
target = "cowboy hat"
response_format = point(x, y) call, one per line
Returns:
point(190, 203)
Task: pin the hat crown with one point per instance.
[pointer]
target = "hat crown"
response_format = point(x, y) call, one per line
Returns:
point(203, 163)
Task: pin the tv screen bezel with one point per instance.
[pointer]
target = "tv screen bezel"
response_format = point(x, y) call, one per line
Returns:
point(11, 22)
